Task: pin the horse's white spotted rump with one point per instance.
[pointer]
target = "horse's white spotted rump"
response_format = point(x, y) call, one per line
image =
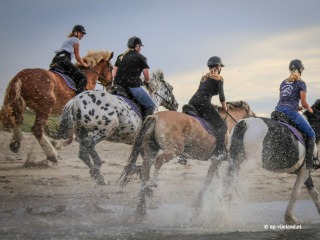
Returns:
point(98, 115)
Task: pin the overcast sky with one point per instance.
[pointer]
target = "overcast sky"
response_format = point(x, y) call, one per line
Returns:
point(256, 40)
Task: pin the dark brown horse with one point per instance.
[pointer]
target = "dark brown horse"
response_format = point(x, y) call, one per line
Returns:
point(46, 92)
point(176, 134)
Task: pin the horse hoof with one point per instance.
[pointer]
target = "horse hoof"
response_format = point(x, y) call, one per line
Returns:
point(52, 159)
point(290, 220)
point(15, 146)
point(103, 182)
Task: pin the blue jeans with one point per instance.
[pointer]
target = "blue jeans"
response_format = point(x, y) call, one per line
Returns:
point(297, 118)
point(143, 97)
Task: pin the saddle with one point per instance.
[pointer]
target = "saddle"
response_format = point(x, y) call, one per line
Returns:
point(70, 82)
point(128, 98)
point(283, 119)
point(191, 111)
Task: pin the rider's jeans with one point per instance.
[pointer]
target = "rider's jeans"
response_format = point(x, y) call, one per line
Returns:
point(298, 119)
point(143, 97)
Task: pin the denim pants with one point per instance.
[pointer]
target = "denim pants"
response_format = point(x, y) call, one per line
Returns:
point(143, 97)
point(297, 118)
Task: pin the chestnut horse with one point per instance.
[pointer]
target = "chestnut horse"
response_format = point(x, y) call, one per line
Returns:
point(176, 134)
point(46, 92)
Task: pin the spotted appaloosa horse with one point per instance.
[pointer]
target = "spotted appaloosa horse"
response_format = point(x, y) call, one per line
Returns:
point(45, 92)
point(98, 115)
point(265, 142)
point(176, 134)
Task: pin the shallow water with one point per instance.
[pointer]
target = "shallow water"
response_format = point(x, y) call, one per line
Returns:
point(173, 221)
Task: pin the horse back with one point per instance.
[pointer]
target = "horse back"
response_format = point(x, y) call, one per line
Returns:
point(273, 143)
point(40, 87)
point(178, 131)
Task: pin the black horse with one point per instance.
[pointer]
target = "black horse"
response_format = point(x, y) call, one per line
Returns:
point(276, 147)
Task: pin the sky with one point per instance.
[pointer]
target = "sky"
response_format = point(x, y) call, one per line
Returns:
point(256, 40)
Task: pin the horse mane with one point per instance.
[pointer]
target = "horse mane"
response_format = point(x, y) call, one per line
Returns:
point(158, 76)
point(93, 58)
point(238, 104)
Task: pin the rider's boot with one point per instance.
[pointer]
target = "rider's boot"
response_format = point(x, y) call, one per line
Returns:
point(309, 158)
point(221, 150)
point(147, 112)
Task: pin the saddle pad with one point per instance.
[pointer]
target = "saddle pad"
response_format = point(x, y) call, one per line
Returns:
point(132, 105)
point(205, 125)
point(67, 79)
point(295, 132)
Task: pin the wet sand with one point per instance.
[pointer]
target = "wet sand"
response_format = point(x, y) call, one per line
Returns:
point(62, 201)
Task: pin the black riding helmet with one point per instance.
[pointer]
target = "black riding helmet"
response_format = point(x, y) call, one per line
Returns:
point(214, 61)
point(133, 41)
point(79, 28)
point(296, 64)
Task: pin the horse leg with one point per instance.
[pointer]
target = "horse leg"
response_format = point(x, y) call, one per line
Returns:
point(313, 192)
point(144, 190)
point(301, 178)
point(159, 161)
point(15, 143)
point(38, 132)
point(210, 174)
point(95, 170)
point(148, 157)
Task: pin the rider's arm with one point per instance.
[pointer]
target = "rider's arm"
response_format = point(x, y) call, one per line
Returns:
point(77, 55)
point(303, 98)
point(146, 75)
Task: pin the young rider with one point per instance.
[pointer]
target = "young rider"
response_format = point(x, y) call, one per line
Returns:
point(63, 59)
point(127, 71)
point(212, 84)
point(292, 91)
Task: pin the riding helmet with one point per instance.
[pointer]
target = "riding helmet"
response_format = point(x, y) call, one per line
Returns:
point(79, 28)
point(133, 41)
point(214, 61)
point(296, 64)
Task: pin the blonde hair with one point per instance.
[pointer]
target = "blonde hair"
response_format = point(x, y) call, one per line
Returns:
point(129, 49)
point(70, 35)
point(212, 74)
point(294, 76)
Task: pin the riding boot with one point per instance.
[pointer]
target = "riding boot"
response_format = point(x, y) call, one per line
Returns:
point(220, 149)
point(310, 142)
point(147, 112)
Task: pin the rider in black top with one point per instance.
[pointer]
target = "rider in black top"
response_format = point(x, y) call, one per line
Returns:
point(127, 71)
point(212, 84)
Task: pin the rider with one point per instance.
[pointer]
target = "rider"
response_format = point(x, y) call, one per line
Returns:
point(69, 50)
point(212, 84)
point(127, 71)
point(292, 91)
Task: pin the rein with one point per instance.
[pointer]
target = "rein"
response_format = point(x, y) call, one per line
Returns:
point(228, 114)
point(169, 104)
point(102, 77)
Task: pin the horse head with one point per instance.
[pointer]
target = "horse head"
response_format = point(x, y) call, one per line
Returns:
point(162, 92)
point(99, 64)
point(314, 118)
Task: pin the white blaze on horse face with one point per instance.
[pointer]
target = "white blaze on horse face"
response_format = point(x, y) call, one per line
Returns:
point(253, 142)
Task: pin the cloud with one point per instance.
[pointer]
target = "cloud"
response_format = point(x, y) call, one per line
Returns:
point(255, 71)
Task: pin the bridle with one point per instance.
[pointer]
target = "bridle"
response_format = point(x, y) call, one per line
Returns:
point(167, 102)
point(102, 77)
point(228, 114)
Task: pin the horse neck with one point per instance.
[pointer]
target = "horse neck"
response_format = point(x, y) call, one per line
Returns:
point(92, 79)
point(158, 96)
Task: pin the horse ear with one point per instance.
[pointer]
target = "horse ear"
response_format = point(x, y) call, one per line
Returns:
point(111, 56)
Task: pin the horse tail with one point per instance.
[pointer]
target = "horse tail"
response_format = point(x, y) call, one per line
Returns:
point(237, 153)
point(145, 133)
point(68, 119)
point(11, 114)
